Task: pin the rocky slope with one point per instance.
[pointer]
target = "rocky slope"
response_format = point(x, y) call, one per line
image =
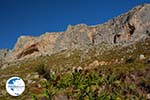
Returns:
point(122, 73)
point(110, 61)
point(122, 30)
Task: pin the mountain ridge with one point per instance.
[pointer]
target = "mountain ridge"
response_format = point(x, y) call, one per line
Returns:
point(121, 30)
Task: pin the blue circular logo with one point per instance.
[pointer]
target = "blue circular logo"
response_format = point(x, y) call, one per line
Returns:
point(15, 86)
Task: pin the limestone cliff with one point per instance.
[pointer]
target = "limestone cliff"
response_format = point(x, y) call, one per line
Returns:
point(122, 30)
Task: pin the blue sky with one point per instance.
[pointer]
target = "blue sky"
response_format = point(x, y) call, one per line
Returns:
point(34, 17)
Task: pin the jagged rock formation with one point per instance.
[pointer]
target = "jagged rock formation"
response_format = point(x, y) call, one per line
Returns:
point(122, 30)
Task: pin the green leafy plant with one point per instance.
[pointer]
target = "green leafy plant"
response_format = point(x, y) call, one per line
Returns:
point(34, 97)
point(49, 91)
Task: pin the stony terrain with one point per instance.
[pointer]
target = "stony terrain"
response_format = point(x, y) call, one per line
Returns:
point(110, 61)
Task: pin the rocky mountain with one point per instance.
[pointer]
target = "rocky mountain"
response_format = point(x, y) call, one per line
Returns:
point(109, 61)
point(122, 30)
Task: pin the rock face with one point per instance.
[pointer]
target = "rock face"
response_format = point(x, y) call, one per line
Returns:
point(27, 45)
point(122, 30)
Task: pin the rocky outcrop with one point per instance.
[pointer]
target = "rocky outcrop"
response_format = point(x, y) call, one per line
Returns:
point(3, 53)
point(27, 45)
point(124, 29)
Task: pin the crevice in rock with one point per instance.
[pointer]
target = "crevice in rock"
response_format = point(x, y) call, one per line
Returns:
point(130, 28)
point(93, 39)
point(128, 32)
point(147, 33)
point(115, 38)
point(33, 48)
